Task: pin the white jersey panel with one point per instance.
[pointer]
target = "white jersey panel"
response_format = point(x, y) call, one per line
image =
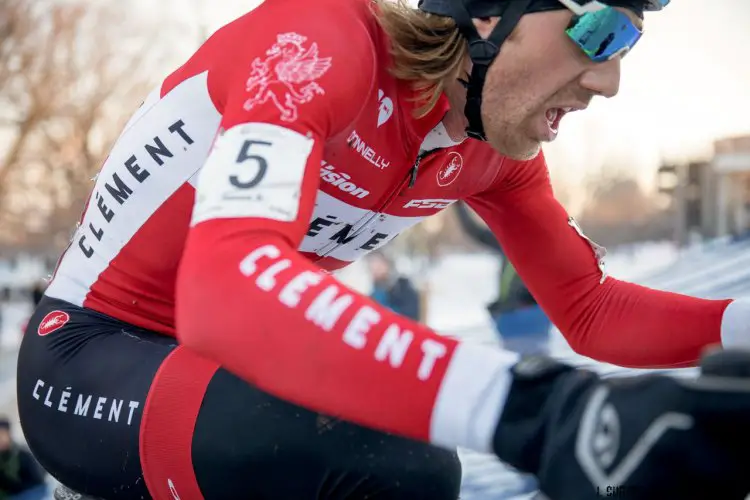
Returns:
point(346, 233)
point(164, 145)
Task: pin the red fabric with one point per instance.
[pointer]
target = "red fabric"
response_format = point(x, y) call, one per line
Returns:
point(280, 350)
point(614, 321)
point(169, 417)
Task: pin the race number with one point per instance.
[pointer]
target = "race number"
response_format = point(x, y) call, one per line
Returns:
point(253, 170)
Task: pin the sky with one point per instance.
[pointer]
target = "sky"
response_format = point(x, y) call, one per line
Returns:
point(685, 85)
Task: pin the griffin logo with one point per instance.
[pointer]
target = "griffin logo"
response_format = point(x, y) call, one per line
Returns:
point(53, 321)
point(450, 169)
point(287, 76)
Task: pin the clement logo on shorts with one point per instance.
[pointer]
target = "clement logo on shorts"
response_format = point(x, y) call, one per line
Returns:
point(69, 400)
point(53, 321)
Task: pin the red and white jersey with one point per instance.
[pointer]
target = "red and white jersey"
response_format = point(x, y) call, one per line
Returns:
point(284, 145)
point(124, 257)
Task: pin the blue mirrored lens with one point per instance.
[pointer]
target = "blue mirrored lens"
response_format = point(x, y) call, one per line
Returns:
point(604, 33)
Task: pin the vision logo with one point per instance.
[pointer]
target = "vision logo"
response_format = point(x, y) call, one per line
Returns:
point(341, 180)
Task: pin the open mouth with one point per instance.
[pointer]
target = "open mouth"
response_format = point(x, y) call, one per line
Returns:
point(554, 116)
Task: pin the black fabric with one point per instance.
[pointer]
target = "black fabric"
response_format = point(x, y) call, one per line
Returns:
point(482, 8)
point(91, 356)
point(490, 8)
point(648, 437)
point(247, 444)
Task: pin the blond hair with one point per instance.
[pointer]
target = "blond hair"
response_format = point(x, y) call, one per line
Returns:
point(428, 50)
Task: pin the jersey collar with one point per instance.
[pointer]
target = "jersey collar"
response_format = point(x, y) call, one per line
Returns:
point(438, 138)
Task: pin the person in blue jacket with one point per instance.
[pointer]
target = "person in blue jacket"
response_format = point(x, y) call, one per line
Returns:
point(392, 289)
point(522, 325)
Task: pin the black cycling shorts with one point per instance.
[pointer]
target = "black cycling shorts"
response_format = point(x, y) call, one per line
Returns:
point(117, 412)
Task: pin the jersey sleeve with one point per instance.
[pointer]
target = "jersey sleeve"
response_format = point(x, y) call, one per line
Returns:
point(248, 300)
point(601, 317)
point(282, 94)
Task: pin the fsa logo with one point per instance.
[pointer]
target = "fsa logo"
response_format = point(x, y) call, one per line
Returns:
point(429, 203)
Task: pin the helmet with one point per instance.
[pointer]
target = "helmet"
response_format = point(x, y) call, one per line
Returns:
point(483, 51)
point(590, 5)
point(489, 8)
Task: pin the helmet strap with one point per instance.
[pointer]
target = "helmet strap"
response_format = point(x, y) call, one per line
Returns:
point(482, 52)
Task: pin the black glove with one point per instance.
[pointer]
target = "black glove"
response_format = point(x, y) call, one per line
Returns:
point(643, 437)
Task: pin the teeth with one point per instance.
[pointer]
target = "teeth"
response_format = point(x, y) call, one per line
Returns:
point(552, 116)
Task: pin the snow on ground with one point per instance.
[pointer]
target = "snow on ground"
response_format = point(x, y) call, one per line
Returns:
point(13, 318)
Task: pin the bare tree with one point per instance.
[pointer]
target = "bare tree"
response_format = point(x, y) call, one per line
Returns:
point(70, 77)
point(620, 211)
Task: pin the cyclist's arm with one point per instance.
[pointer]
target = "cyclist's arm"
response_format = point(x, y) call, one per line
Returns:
point(613, 321)
point(248, 300)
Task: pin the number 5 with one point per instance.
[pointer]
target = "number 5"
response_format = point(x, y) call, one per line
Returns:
point(246, 156)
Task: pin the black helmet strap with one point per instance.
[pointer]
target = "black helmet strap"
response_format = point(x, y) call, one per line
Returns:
point(482, 52)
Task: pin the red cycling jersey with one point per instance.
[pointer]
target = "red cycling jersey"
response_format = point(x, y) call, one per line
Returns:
point(293, 149)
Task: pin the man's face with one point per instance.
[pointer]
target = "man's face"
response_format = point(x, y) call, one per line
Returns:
point(5, 440)
point(380, 269)
point(538, 77)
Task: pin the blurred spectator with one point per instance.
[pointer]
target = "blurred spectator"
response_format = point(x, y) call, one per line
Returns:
point(4, 298)
point(37, 292)
point(520, 322)
point(391, 289)
point(21, 477)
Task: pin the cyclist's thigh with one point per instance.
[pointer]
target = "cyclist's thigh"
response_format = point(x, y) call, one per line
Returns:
point(248, 444)
point(82, 389)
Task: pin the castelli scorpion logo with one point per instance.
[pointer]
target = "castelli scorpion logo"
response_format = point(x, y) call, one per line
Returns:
point(450, 169)
point(287, 76)
point(52, 322)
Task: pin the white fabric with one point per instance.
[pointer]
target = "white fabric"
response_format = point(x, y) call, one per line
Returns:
point(735, 324)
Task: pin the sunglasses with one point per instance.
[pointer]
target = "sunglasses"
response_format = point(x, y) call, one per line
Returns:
point(601, 31)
